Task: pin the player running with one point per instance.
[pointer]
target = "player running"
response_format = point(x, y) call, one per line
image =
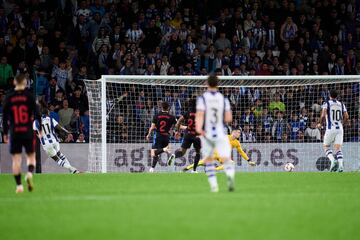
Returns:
point(335, 114)
point(212, 113)
point(235, 143)
point(18, 114)
point(49, 141)
point(162, 123)
point(190, 137)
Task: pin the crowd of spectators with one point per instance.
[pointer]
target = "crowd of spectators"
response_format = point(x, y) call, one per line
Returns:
point(57, 44)
point(264, 115)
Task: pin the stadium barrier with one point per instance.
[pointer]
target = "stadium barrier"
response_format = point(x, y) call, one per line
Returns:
point(136, 158)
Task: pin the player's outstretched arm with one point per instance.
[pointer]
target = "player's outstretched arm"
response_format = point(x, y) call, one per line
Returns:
point(322, 118)
point(244, 155)
point(178, 123)
point(61, 128)
point(152, 128)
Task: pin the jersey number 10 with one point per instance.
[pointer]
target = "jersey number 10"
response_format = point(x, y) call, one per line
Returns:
point(336, 115)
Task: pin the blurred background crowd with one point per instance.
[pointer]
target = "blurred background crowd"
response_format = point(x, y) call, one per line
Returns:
point(59, 43)
point(263, 114)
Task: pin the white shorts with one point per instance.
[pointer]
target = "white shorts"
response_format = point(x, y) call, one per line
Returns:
point(222, 145)
point(51, 148)
point(333, 137)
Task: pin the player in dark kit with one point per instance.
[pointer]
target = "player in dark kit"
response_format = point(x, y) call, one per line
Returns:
point(162, 123)
point(190, 137)
point(19, 112)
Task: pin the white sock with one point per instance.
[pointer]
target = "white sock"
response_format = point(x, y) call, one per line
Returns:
point(329, 154)
point(64, 162)
point(340, 158)
point(229, 168)
point(211, 174)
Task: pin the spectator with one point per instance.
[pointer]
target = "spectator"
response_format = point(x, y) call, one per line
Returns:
point(222, 42)
point(134, 34)
point(312, 133)
point(78, 101)
point(294, 127)
point(65, 114)
point(75, 122)
point(6, 72)
point(277, 104)
point(280, 127)
point(288, 31)
point(120, 131)
point(81, 138)
point(247, 135)
point(62, 74)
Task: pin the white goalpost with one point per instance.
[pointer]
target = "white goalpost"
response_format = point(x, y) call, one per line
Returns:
point(277, 116)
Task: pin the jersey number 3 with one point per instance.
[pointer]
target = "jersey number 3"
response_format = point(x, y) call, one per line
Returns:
point(214, 116)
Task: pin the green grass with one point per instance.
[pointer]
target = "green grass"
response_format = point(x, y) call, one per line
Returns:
point(180, 206)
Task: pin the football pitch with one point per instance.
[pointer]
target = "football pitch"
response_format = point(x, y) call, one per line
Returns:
point(180, 206)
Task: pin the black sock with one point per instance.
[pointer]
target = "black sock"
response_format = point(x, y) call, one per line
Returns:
point(18, 179)
point(155, 160)
point(159, 151)
point(196, 161)
point(178, 153)
point(31, 168)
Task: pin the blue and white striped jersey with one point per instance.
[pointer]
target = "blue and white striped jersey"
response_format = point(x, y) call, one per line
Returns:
point(334, 114)
point(214, 104)
point(48, 135)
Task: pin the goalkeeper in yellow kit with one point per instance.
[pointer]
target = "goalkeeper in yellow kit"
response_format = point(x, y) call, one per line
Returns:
point(235, 143)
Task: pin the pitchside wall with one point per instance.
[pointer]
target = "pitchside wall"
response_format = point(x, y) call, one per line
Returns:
point(136, 157)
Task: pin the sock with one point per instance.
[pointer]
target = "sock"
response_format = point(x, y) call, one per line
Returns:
point(196, 161)
point(159, 151)
point(155, 160)
point(229, 168)
point(31, 168)
point(340, 158)
point(211, 174)
point(329, 155)
point(62, 161)
point(189, 166)
point(18, 179)
point(178, 153)
point(219, 168)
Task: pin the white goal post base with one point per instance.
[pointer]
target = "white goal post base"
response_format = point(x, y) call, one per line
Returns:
point(121, 109)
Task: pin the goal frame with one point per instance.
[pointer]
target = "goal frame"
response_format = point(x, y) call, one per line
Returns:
point(228, 81)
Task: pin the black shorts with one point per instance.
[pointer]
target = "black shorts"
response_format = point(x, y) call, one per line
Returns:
point(16, 145)
point(191, 139)
point(160, 141)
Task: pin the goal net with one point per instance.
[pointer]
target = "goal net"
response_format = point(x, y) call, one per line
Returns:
point(277, 116)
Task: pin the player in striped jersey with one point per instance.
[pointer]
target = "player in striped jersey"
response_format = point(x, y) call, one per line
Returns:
point(49, 141)
point(212, 113)
point(335, 114)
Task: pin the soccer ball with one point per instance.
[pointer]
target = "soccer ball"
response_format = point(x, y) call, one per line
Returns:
point(289, 167)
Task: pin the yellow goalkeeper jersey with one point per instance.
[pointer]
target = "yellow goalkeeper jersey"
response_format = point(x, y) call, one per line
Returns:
point(235, 143)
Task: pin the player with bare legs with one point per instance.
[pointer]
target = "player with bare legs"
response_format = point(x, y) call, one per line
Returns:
point(161, 124)
point(336, 115)
point(212, 113)
point(19, 112)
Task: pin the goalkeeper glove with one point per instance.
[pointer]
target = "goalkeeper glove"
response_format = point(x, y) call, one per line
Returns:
point(252, 163)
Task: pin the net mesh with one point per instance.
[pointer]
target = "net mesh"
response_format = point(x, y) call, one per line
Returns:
point(277, 117)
